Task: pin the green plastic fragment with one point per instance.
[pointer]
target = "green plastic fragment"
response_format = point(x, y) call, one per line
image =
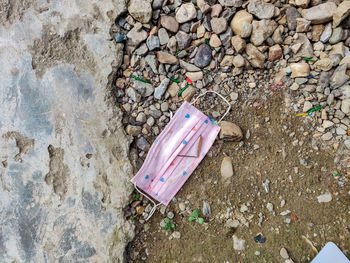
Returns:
point(314, 109)
point(200, 220)
point(182, 90)
point(308, 59)
point(178, 52)
point(207, 42)
point(175, 80)
point(140, 79)
point(335, 173)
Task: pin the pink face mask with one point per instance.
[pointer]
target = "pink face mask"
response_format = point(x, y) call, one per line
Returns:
point(176, 152)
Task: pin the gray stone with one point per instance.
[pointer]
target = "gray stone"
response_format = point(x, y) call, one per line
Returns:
point(347, 144)
point(169, 23)
point(345, 106)
point(157, 4)
point(292, 14)
point(325, 198)
point(246, 30)
point(161, 89)
point(142, 144)
point(340, 131)
point(336, 35)
point(152, 62)
point(186, 13)
point(59, 135)
point(144, 89)
point(339, 77)
point(226, 168)
point(188, 66)
point(238, 244)
point(321, 13)
point(141, 50)
point(262, 30)
point(326, 34)
point(136, 35)
point(163, 36)
point(203, 56)
point(306, 49)
point(152, 42)
point(284, 253)
point(230, 3)
point(140, 10)
point(218, 25)
point(261, 9)
point(341, 13)
point(183, 40)
point(327, 136)
point(255, 57)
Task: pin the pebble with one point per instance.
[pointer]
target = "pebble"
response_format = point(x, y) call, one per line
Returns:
point(230, 131)
point(140, 10)
point(166, 58)
point(261, 9)
point(161, 89)
point(169, 23)
point(300, 70)
point(182, 206)
point(325, 198)
point(239, 19)
point(186, 13)
point(238, 244)
point(176, 235)
point(327, 136)
point(163, 36)
point(321, 13)
point(284, 253)
point(203, 56)
point(336, 36)
point(206, 210)
point(152, 42)
point(170, 215)
point(218, 25)
point(226, 168)
point(269, 207)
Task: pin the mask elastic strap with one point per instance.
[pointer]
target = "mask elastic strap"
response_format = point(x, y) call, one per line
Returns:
point(209, 91)
point(154, 208)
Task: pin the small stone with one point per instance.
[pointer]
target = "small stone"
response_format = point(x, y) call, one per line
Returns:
point(321, 13)
point(255, 57)
point(227, 61)
point(339, 76)
point(176, 235)
point(326, 34)
point(186, 13)
point(140, 10)
point(239, 19)
point(307, 106)
point(182, 206)
point(230, 131)
point(246, 30)
point(215, 41)
point(141, 117)
point(238, 61)
point(294, 86)
point(269, 207)
point(203, 6)
point(161, 89)
point(203, 56)
point(119, 38)
point(170, 215)
point(345, 106)
point(275, 52)
point(166, 58)
point(277, 35)
point(306, 49)
point(303, 25)
point(327, 136)
point(347, 144)
point(164, 106)
point(157, 4)
point(261, 9)
point(150, 121)
point(317, 31)
point(188, 66)
point(336, 37)
point(145, 89)
point(232, 223)
point(152, 42)
point(262, 30)
point(163, 36)
point(229, 3)
point(323, 64)
point(142, 144)
point(139, 210)
point(238, 244)
point(169, 23)
point(183, 39)
point(226, 168)
point(325, 198)
point(302, 3)
point(218, 25)
point(284, 253)
point(194, 76)
point(133, 130)
point(300, 70)
point(216, 10)
point(238, 43)
point(136, 35)
point(188, 93)
point(206, 211)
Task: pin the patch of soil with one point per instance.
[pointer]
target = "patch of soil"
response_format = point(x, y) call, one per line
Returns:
point(281, 149)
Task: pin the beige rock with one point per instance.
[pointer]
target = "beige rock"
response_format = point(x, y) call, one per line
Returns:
point(277, 35)
point(255, 57)
point(300, 70)
point(262, 30)
point(173, 89)
point(215, 10)
point(337, 49)
point(226, 168)
point(238, 43)
point(188, 93)
point(238, 61)
point(345, 60)
point(194, 76)
point(140, 10)
point(218, 25)
point(317, 31)
point(230, 131)
point(323, 64)
point(188, 66)
point(215, 41)
point(200, 31)
point(261, 9)
point(172, 44)
point(341, 13)
point(303, 25)
point(203, 6)
point(238, 20)
point(284, 253)
point(166, 58)
point(227, 61)
point(186, 13)
point(194, 26)
point(169, 23)
point(302, 3)
point(321, 13)
point(275, 52)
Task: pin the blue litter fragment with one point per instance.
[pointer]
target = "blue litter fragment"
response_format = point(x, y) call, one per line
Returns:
point(120, 38)
point(310, 77)
point(288, 74)
point(330, 254)
point(260, 239)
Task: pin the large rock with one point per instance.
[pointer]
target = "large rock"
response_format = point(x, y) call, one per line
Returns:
point(136, 35)
point(188, 66)
point(255, 57)
point(262, 30)
point(186, 13)
point(306, 49)
point(339, 77)
point(342, 12)
point(140, 10)
point(239, 19)
point(324, 64)
point(321, 13)
point(67, 172)
point(203, 56)
point(169, 23)
point(230, 131)
point(261, 9)
point(183, 39)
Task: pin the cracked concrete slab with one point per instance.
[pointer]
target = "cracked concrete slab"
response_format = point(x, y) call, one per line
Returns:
point(64, 171)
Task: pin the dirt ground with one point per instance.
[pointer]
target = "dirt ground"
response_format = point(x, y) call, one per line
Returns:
point(280, 148)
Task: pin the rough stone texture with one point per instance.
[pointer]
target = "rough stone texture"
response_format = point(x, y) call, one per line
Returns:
point(262, 30)
point(67, 177)
point(141, 10)
point(292, 14)
point(255, 57)
point(261, 9)
point(321, 13)
point(341, 13)
point(239, 19)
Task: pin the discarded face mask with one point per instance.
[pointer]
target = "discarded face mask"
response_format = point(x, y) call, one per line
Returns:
point(176, 153)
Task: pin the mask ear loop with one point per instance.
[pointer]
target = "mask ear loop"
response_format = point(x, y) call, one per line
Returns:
point(154, 208)
point(209, 91)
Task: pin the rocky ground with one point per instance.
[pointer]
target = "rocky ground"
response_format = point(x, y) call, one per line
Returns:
point(283, 66)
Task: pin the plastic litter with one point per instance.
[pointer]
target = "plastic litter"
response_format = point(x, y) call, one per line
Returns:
point(141, 79)
point(182, 90)
point(330, 253)
point(174, 80)
point(207, 42)
point(308, 59)
point(260, 239)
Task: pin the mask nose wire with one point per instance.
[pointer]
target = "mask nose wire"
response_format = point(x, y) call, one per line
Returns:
point(209, 91)
point(154, 208)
